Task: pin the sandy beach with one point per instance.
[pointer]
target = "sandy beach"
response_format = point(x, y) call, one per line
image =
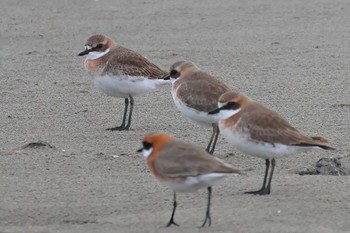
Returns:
point(292, 56)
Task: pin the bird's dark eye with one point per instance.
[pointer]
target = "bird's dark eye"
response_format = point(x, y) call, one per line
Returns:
point(146, 145)
point(232, 105)
point(174, 74)
point(98, 46)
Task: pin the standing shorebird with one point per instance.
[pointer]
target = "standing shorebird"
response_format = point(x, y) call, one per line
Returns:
point(196, 93)
point(183, 167)
point(256, 130)
point(120, 72)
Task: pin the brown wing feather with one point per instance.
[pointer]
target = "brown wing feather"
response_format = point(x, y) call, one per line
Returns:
point(268, 126)
point(128, 62)
point(201, 91)
point(180, 159)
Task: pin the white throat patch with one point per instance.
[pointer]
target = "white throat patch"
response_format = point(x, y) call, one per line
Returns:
point(96, 54)
point(173, 80)
point(225, 113)
point(146, 153)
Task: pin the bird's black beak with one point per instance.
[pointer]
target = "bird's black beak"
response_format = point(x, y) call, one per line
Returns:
point(214, 111)
point(167, 77)
point(85, 52)
point(139, 150)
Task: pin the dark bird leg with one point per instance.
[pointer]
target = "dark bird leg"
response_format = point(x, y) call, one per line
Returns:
point(213, 139)
point(130, 113)
point(263, 189)
point(122, 126)
point(171, 222)
point(207, 213)
point(273, 163)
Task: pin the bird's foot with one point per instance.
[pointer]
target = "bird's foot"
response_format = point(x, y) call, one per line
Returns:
point(263, 191)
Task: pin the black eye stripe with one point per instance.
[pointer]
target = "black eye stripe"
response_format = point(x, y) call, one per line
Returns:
point(98, 46)
point(232, 105)
point(174, 74)
point(146, 145)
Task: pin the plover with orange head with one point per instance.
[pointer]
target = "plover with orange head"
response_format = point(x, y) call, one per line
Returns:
point(196, 93)
point(256, 130)
point(183, 167)
point(120, 72)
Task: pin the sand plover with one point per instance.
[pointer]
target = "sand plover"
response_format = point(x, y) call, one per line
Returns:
point(183, 167)
point(196, 93)
point(256, 130)
point(120, 72)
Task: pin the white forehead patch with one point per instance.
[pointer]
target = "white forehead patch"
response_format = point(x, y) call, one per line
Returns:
point(87, 47)
point(96, 54)
point(227, 113)
point(146, 153)
point(220, 104)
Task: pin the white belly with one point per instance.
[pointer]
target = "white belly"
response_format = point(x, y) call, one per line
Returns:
point(124, 86)
point(200, 117)
point(193, 183)
point(243, 143)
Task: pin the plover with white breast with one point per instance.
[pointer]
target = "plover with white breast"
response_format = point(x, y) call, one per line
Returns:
point(256, 130)
point(196, 93)
point(120, 72)
point(183, 167)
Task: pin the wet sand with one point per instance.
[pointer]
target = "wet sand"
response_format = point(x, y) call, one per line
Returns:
point(293, 56)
